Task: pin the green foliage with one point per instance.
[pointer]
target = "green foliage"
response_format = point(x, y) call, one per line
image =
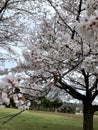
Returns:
point(46, 105)
point(55, 105)
point(68, 109)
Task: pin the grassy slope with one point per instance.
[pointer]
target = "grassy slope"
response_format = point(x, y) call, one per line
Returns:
point(42, 121)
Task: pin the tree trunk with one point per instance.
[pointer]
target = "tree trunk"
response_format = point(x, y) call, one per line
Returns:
point(87, 118)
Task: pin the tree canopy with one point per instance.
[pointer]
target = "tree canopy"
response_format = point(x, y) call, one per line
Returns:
point(60, 52)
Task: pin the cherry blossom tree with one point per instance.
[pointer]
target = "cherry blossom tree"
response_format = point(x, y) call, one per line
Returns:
point(15, 26)
point(14, 30)
point(8, 29)
point(63, 53)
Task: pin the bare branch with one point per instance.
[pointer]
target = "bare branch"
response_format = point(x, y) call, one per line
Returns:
point(73, 68)
point(94, 95)
point(10, 117)
point(94, 85)
point(4, 6)
point(60, 16)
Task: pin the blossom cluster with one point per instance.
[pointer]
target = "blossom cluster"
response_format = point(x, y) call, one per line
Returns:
point(10, 90)
point(88, 28)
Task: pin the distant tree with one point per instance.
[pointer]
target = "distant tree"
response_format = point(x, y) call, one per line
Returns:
point(46, 103)
point(56, 103)
point(67, 108)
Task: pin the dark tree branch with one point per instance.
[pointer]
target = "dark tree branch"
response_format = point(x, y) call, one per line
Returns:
point(79, 10)
point(78, 83)
point(94, 95)
point(60, 16)
point(94, 85)
point(4, 6)
point(86, 78)
point(75, 66)
point(83, 72)
point(77, 18)
point(73, 92)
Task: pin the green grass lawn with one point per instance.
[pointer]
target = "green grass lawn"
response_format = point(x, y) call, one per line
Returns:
point(30, 120)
